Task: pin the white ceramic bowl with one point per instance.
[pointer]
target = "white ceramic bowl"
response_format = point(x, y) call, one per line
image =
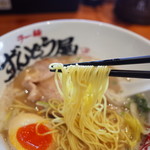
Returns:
point(25, 45)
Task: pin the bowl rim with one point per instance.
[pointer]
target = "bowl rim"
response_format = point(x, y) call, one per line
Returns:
point(59, 21)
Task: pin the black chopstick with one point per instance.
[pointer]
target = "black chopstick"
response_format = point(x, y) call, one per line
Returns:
point(119, 61)
point(115, 61)
point(125, 73)
point(130, 74)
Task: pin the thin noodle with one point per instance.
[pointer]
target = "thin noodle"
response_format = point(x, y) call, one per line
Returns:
point(88, 124)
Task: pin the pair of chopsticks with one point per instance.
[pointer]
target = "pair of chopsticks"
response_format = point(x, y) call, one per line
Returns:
point(119, 61)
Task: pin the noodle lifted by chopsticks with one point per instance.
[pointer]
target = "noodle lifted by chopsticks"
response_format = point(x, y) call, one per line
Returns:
point(86, 122)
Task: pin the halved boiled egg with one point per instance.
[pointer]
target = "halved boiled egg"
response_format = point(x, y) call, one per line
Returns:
point(29, 131)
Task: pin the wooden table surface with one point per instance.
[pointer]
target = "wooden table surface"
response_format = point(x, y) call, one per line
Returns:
point(102, 13)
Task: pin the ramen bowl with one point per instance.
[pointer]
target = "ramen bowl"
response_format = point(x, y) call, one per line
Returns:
point(22, 47)
point(25, 45)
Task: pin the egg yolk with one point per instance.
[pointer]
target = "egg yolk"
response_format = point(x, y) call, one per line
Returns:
point(29, 138)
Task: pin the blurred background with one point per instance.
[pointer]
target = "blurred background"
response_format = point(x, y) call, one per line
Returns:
point(133, 15)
